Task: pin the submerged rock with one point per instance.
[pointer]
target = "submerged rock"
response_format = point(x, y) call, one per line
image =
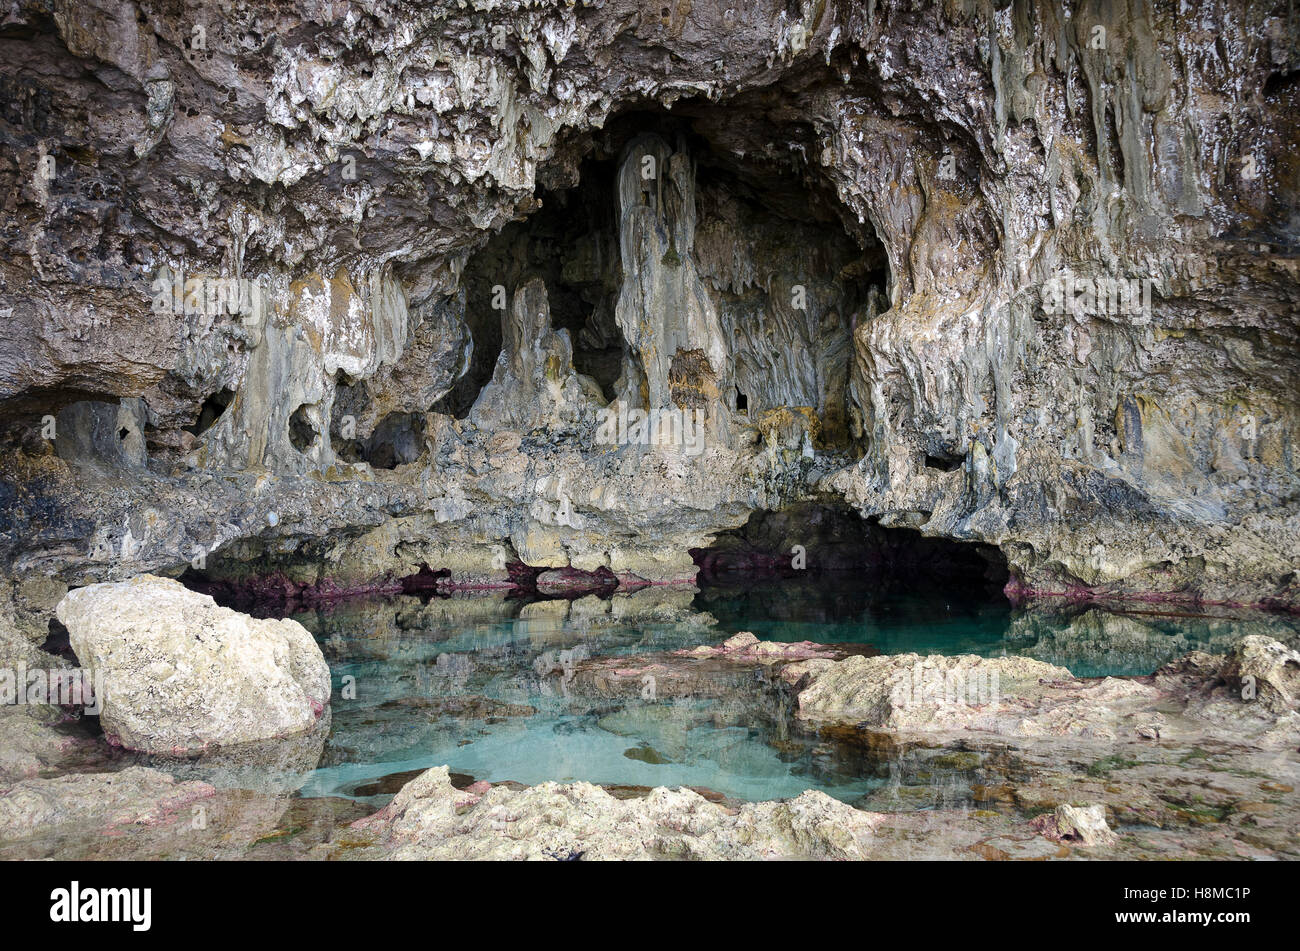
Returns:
point(181, 674)
point(99, 802)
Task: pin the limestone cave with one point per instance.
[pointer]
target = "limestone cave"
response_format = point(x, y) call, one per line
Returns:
point(597, 429)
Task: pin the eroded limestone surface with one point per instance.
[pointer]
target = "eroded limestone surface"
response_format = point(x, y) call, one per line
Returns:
point(177, 672)
point(337, 302)
point(240, 287)
point(429, 819)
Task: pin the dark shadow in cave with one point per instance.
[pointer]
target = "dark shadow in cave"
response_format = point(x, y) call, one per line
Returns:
point(572, 244)
point(302, 431)
point(397, 438)
point(211, 411)
point(787, 225)
point(852, 569)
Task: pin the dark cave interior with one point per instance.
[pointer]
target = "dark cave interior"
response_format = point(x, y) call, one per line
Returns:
point(763, 226)
point(809, 540)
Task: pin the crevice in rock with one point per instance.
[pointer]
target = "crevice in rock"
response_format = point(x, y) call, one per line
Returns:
point(523, 576)
point(424, 580)
point(561, 583)
point(211, 411)
point(58, 642)
point(1281, 82)
point(303, 434)
point(269, 591)
point(1116, 152)
point(396, 441)
point(944, 462)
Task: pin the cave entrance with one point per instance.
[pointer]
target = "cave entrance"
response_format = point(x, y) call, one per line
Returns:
point(890, 590)
point(572, 244)
point(831, 545)
point(787, 267)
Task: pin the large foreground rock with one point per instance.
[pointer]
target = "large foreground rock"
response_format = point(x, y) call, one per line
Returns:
point(181, 673)
point(912, 692)
point(431, 819)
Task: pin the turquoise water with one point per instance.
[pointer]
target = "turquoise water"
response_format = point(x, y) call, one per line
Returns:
point(470, 695)
point(892, 623)
point(480, 684)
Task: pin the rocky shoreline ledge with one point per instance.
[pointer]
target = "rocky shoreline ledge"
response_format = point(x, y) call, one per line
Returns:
point(1197, 760)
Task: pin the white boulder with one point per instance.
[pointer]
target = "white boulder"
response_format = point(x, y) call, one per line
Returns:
point(181, 674)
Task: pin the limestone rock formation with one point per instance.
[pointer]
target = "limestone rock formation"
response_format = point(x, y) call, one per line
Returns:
point(909, 692)
point(1085, 824)
point(182, 674)
point(1019, 276)
point(746, 646)
point(1263, 669)
point(1198, 697)
point(534, 385)
point(665, 313)
point(431, 819)
point(96, 802)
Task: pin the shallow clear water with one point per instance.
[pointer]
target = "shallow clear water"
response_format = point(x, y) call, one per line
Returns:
point(479, 684)
point(470, 695)
point(1127, 641)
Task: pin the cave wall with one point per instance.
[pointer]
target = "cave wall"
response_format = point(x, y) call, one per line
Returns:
point(351, 163)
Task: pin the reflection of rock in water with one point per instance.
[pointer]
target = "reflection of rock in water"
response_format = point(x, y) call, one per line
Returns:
point(270, 766)
point(1134, 639)
point(379, 624)
point(527, 692)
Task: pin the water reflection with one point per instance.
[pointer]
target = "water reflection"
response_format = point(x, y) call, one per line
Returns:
point(492, 686)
